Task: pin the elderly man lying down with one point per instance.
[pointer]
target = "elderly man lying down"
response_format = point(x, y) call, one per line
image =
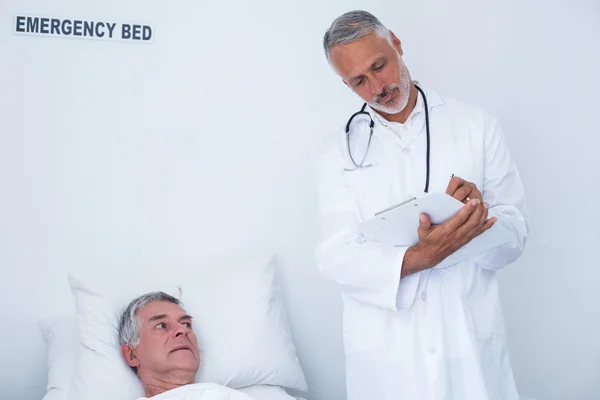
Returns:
point(158, 342)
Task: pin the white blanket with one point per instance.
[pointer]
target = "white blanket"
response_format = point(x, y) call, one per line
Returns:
point(201, 391)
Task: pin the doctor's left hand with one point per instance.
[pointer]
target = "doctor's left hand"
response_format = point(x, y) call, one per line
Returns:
point(463, 190)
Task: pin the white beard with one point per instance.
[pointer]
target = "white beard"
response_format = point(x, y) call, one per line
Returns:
point(402, 98)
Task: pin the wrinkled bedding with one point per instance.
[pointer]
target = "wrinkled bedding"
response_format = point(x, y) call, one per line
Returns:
point(201, 391)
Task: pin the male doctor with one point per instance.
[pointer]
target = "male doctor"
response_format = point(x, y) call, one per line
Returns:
point(412, 331)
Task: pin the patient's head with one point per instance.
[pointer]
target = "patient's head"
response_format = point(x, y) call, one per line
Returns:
point(158, 342)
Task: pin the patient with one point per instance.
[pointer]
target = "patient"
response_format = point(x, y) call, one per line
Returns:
point(158, 343)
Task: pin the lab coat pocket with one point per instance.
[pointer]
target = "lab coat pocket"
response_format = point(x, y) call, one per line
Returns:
point(364, 328)
point(484, 304)
point(373, 188)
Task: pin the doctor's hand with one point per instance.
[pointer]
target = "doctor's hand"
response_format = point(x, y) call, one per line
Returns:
point(436, 242)
point(462, 190)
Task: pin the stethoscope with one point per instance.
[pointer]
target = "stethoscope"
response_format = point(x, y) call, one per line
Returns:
point(372, 124)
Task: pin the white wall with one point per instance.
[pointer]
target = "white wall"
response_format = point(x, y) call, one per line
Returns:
point(129, 157)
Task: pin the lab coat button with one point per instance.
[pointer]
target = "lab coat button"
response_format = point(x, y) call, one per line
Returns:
point(424, 296)
point(432, 350)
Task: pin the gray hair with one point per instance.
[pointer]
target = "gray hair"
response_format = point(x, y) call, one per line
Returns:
point(129, 326)
point(352, 26)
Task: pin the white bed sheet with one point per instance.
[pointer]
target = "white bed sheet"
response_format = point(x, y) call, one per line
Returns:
point(265, 392)
point(258, 392)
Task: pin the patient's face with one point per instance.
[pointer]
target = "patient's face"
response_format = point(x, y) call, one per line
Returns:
point(168, 344)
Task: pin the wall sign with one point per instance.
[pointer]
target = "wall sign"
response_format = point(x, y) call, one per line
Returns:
point(81, 28)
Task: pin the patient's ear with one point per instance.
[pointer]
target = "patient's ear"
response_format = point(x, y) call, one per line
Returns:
point(128, 353)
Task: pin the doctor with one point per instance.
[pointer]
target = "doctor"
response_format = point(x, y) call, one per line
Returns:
point(411, 331)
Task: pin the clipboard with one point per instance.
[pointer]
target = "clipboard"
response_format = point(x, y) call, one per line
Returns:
point(398, 225)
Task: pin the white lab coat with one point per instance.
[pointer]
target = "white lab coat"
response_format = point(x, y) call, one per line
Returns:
point(438, 334)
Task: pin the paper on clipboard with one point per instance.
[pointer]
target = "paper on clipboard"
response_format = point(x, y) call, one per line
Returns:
point(398, 226)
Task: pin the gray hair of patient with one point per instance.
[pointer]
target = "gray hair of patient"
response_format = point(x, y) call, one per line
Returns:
point(129, 326)
point(352, 26)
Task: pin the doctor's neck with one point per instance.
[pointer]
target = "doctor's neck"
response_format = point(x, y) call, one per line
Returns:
point(403, 115)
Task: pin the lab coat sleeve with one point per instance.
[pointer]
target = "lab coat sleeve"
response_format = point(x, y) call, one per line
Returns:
point(503, 191)
point(365, 270)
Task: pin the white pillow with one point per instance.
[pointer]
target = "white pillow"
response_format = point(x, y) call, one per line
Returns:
point(62, 343)
point(239, 318)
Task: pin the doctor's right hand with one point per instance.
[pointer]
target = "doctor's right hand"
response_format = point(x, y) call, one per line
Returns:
point(436, 242)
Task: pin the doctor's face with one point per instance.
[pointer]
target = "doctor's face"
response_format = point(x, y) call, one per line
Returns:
point(373, 68)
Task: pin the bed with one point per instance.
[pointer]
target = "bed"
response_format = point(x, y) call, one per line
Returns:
point(240, 321)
